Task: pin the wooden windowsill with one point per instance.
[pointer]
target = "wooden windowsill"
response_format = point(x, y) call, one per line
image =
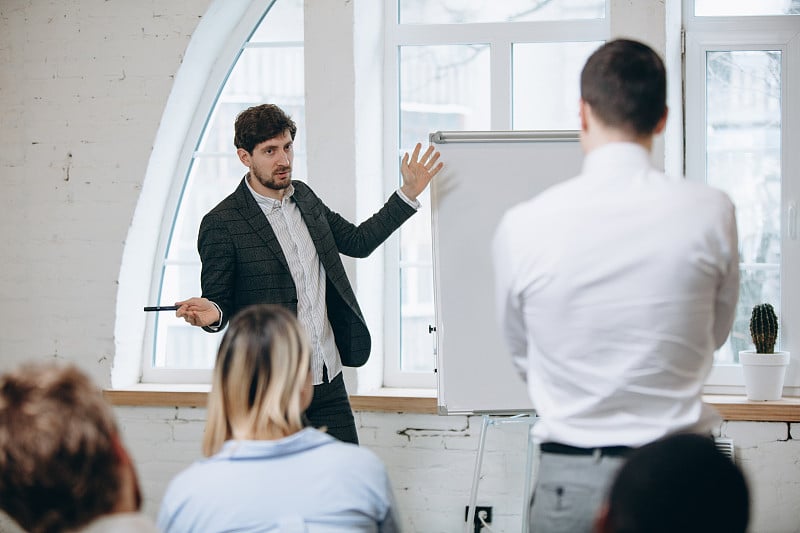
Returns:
point(731, 407)
point(735, 407)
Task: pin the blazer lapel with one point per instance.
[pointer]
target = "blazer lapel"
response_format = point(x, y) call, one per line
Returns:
point(252, 213)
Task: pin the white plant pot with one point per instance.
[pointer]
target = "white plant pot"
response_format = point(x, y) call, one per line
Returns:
point(763, 374)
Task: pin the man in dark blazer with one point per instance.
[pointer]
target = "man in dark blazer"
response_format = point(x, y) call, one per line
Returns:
point(274, 241)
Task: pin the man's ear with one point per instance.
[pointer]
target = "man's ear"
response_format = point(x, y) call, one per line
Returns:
point(662, 122)
point(119, 450)
point(244, 156)
point(601, 524)
point(583, 109)
point(131, 495)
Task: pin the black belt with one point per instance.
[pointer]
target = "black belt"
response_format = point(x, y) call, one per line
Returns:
point(564, 449)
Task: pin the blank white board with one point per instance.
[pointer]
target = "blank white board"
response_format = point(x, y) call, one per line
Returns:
point(485, 173)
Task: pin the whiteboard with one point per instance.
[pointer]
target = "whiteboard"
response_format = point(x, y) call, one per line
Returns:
point(485, 173)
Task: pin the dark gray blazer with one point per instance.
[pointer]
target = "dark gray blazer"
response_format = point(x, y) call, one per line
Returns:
point(243, 263)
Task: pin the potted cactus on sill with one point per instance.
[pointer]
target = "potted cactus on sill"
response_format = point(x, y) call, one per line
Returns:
point(764, 369)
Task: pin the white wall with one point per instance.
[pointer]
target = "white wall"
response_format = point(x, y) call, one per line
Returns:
point(83, 84)
point(431, 459)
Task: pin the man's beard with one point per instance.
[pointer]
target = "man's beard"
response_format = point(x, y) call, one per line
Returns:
point(270, 183)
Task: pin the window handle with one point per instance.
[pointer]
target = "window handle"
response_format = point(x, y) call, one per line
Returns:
point(792, 221)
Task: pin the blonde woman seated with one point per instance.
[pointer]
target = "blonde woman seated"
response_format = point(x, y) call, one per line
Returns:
point(264, 470)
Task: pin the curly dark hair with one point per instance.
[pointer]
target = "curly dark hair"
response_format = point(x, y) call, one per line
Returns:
point(59, 449)
point(257, 124)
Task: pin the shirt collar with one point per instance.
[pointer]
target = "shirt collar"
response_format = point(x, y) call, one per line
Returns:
point(616, 159)
point(301, 441)
point(265, 202)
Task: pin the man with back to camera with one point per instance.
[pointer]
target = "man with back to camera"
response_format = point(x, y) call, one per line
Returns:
point(274, 241)
point(613, 290)
point(63, 466)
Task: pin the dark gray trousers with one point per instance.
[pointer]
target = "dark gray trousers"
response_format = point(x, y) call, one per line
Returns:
point(330, 408)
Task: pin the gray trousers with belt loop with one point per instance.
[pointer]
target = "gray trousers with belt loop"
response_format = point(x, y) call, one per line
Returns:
point(569, 491)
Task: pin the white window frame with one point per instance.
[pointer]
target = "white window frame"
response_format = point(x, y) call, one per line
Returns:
point(703, 34)
point(500, 36)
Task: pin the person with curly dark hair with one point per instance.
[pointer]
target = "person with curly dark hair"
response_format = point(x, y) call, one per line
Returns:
point(62, 463)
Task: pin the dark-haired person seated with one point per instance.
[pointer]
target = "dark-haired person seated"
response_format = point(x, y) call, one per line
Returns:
point(62, 464)
point(681, 483)
point(265, 471)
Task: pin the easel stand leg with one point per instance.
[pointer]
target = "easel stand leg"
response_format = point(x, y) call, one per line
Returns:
point(476, 476)
point(527, 491)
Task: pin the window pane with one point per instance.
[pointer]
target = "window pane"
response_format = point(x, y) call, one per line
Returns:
point(712, 8)
point(467, 11)
point(743, 144)
point(284, 22)
point(417, 314)
point(254, 81)
point(177, 344)
point(441, 88)
point(548, 102)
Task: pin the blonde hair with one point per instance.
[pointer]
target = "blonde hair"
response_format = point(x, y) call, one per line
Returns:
point(261, 369)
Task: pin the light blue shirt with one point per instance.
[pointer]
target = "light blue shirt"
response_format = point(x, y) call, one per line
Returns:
point(307, 482)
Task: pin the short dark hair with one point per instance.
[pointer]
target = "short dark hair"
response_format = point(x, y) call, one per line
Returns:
point(625, 83)
point(257, 124)
point(59, 449)
point(679, 483)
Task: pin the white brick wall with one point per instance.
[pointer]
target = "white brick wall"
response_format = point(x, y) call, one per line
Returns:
point(431, 460)
point(83, 84)
point(83, 87)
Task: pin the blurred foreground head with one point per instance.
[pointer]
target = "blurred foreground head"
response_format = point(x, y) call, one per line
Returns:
point(678, 483)
point(61, 461)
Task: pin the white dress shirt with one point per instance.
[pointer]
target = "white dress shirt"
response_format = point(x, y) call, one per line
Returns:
point(613, 290)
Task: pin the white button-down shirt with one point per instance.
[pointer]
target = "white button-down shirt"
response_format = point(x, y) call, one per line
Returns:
point(613, 290)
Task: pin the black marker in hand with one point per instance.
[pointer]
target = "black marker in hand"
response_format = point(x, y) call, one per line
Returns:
point(162, 308)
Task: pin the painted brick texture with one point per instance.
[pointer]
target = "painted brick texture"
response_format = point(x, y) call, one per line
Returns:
point(83, 85)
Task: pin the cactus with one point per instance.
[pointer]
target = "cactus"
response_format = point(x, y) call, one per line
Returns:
point(764, 328)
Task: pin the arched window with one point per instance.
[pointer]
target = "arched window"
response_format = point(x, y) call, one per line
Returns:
point(269, 69)
point(438, 73)
point(243, 53)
